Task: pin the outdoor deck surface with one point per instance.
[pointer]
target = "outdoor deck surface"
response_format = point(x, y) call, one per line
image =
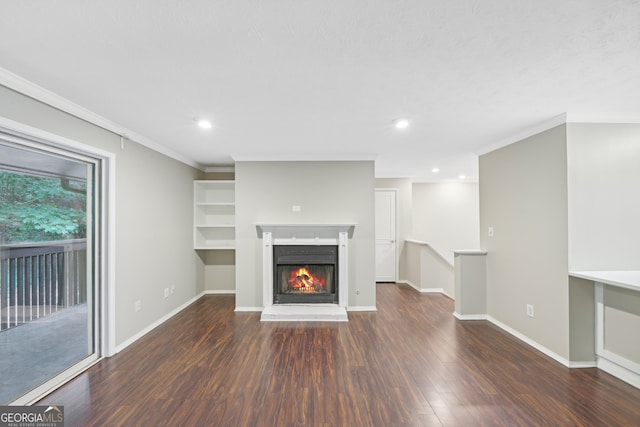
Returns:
point(33, 352)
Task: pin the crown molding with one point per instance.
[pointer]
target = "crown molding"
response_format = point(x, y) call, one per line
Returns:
point(32, 90)
point(321, 157)
point(525, 133)
point(622, 118)
point(569, 117)
point(220, 169)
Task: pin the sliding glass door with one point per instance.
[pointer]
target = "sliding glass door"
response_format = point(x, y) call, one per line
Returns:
point(49, 266)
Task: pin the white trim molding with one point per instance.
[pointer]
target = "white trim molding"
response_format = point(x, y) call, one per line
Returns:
point(32, 90)
point(529, 341)
point(300, 157)
point(524, 134)
point(568, 117)
point(220, 169)
point(423, 290)
point(362, 308)
point(607, 363)
point(247, 309)
point(157, 323)
point(615, 364)
point(466, 317)
point(577, 117)
point(555, 356)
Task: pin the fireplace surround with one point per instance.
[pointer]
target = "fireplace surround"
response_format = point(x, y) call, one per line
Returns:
point(293, 240)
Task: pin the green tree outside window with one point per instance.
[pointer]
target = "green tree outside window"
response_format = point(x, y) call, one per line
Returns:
point(37, 209)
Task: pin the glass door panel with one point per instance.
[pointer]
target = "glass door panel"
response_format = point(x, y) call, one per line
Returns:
point(48, 322)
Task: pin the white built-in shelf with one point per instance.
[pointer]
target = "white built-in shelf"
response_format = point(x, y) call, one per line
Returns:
point(214, 214)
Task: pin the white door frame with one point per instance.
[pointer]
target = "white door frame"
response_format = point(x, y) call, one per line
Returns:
point(105, 272)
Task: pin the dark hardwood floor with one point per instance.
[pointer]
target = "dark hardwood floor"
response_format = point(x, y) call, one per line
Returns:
point(409, 364)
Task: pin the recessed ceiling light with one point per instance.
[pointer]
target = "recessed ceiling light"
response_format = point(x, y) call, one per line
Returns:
point(401, 123)
point(435, 170)
point(462, 176)
point(204, 123)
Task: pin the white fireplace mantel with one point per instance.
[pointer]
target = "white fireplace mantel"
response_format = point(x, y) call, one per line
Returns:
point(305, 231)
point(305, 234)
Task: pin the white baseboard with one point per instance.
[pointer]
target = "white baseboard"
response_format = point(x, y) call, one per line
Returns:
point(424, 290)
point(219, 292)
point(618, 371)
point(406, 282)
point(582, 365)
point(248, 309)
point(155, 324)
point(469, 316)
point(447, 295)
point(604, 364)
point(362, 308)
point(521, 337)
point(531, 342)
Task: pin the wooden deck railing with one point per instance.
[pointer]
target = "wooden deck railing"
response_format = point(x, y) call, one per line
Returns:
point(38, 279)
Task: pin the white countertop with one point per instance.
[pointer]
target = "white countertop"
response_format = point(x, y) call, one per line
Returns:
point(629, 279)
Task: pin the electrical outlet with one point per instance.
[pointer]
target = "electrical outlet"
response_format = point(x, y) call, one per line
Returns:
point(173, 289)
point(166, 292)
point(296, 208)
point(137, 306)
point(530, 311)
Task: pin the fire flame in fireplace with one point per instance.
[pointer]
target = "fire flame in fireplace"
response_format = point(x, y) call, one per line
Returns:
point(302, 280)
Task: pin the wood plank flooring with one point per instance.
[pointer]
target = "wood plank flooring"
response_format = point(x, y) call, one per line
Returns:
point(409, 364)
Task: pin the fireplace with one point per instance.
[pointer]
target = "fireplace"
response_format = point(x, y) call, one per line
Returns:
point(321, 249)
point(305, 274)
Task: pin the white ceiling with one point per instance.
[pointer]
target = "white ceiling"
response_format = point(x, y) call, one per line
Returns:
point(300, 79)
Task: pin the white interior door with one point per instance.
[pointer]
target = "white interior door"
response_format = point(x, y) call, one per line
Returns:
point(386, 236)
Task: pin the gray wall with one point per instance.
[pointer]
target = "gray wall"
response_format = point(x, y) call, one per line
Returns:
point(523, 195)
point(154, 217)
point(446, 215)
point(622, 323)
point(582, 321)
point(219, 270)
point(327, 192)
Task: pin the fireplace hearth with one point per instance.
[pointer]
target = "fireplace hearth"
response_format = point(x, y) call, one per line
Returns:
point(305, 274)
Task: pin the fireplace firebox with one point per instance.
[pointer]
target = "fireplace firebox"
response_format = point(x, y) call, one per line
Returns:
point(305, 274)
